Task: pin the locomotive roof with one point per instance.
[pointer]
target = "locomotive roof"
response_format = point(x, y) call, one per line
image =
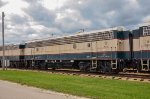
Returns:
point(120, 28)
point(10, 46)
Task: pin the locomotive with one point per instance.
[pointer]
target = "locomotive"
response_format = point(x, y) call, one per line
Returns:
point(108, 50)
point(141, 48)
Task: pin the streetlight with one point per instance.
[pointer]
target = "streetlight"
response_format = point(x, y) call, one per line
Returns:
point(3, 61)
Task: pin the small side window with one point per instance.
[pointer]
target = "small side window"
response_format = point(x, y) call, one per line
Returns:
point(74, 46)
point(88, 45)
point(105, 42)
point(37, 49)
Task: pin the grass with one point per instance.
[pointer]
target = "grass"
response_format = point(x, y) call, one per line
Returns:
point(95, 88)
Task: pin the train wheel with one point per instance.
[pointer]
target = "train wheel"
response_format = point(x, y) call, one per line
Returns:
point(53, 68)
point(116, 71)
point(106, 67)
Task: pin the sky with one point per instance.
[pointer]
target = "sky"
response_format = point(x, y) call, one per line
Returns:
point(37, 19)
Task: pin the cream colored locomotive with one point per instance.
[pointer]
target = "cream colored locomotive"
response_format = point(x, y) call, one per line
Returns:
point(107, 50)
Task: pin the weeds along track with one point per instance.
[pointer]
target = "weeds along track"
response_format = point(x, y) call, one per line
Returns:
point(139, 77)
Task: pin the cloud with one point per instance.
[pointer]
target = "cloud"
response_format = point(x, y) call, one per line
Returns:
point(2, 3)
point(110, 13)
point(41, 21)
point(71, 20)
point(18, 20)
point(40, 14)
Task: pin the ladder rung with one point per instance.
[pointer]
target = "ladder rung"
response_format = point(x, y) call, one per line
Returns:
point(145, 64)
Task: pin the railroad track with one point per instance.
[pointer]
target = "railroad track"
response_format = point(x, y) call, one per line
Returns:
point(141, 77)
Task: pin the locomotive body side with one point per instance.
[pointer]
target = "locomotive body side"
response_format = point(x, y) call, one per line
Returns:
point(12, 55)
point(103, 50)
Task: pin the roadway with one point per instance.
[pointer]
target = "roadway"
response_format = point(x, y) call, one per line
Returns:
point(9, 90)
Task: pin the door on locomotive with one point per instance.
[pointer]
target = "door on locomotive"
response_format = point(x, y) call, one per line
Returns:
point(94, 56)
point(145, 47)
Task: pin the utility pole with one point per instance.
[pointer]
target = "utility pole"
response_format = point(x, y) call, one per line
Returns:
point(3, 61)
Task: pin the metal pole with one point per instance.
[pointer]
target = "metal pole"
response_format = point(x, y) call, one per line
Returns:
point(111, 54)
point(147, 51)
point(116, 56)
point(111, 57)
point(3, 61)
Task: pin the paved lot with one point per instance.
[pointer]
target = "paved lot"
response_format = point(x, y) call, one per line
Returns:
point(10, 90)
